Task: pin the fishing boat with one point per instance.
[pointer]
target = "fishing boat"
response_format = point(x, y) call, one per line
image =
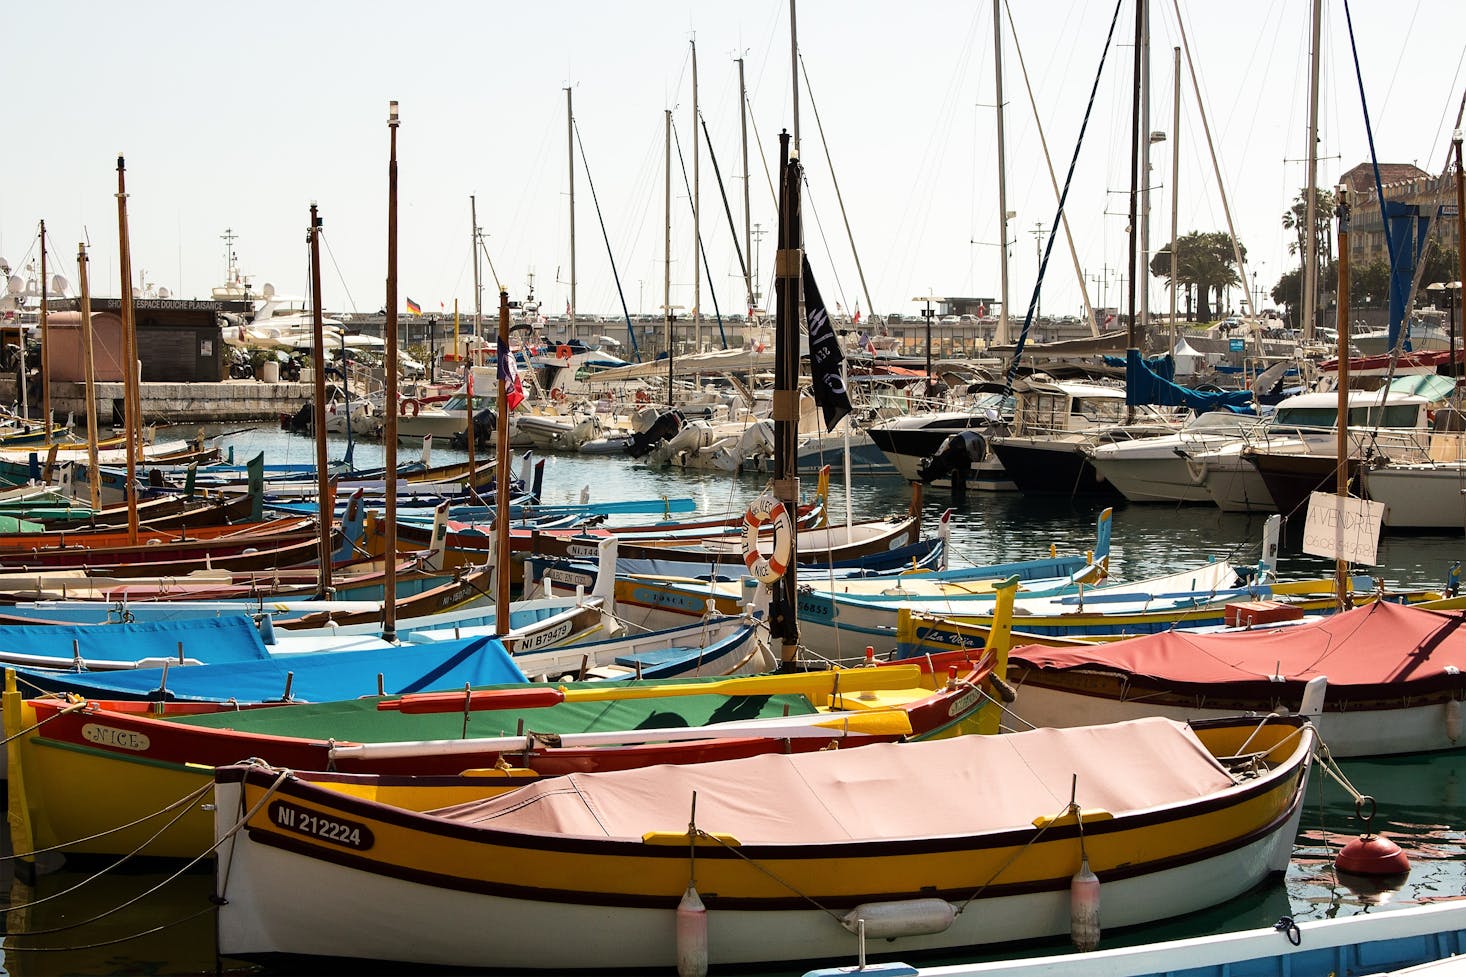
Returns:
point(967, 841)
point(80, 770)
point(1395, 685)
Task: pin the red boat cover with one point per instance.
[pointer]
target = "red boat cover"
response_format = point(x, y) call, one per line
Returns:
point(959, 786)
point(1379, 644)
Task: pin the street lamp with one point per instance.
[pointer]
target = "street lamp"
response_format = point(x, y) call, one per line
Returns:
point(927, 314)
point(1450, 289)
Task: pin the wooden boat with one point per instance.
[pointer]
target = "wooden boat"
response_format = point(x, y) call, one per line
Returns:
point(1395, 684)
point(84, 538)
point(960, 842)
point(78, 771)
point(1378, 943)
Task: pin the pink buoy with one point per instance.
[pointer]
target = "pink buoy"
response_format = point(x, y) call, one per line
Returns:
point(692, 935)
point(1084, 907)
point(1372, 855)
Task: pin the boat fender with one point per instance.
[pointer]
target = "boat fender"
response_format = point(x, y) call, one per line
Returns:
point(1453, 720)
point(766, 508)
point(692, 935)
point(267, 629)
point(1004, 690)
point(906, 917)
point(1084, 908)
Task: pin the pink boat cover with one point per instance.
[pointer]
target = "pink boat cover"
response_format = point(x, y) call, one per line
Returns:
point(1381, 644)
point(959, 786)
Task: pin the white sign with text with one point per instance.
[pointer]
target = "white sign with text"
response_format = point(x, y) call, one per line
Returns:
point(1343, 528)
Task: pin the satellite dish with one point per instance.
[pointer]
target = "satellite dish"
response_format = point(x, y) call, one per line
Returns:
point(15, 286)
point(58, 284)
point(163, 293)
point(268, 291)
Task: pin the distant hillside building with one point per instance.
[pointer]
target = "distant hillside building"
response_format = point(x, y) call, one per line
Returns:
point(1405, 183)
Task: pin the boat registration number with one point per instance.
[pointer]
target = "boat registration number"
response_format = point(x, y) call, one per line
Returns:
point(312, 824)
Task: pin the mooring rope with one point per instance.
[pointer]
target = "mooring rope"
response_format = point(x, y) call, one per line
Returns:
point(71, 707)
point(181, 802)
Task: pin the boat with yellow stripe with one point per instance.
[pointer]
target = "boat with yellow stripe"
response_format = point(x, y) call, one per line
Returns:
point(925, 846)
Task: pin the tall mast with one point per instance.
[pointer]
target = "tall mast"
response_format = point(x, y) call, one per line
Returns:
point(1001, 336)
point(1460, 295)
point(570, 146)
point(502, 493)
point(794, 71)
point(389, 427)
point(696, 218)
point(94, 476)
point(1131, 333)
point(667, 260)
point(1175, 179)
point(788, 277)
point(45, 344)
point(325, 502)
point(478, 287)
point(747, 225)
point(1310, 207)
point(130, 413)
point(1341, 483)
point(1142, 271)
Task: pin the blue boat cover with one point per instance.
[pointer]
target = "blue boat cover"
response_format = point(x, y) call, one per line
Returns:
point(232, 638)
point(325, 676)
point(1144, 386)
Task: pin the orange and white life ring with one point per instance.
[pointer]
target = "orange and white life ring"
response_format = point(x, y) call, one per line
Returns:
point(767, 509)
point(411, 407)
point(562, 352)
point(557, 393)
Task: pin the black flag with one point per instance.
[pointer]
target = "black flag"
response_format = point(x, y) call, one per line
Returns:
point(824, 356)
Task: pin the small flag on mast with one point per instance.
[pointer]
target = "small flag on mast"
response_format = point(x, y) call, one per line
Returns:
point(413, 307)
point(509, 378)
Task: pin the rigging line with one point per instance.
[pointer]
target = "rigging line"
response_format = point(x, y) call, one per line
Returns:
point(732, 227)
point(1369, 133)
point(337, 268)
point(1063, 198)
point(701, 247)
point(835, 182)
point(585, 165)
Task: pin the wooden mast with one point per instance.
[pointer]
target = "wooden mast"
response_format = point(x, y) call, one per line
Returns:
point(45, 344)
point(502, 493)
point(1131, 334)
point(130, 418)
point(1460, 242)
point(788, 273)
point(478, 316)
point(389, 427)
point(667, 317)
point(1341, 442)
point(325, 501)
point(94, 477)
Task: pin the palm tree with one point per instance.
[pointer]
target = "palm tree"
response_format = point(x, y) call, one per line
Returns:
point(1205, 261)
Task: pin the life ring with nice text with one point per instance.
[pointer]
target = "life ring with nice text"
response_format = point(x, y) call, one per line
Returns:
point(767, 509)
point(411, 407)
point(562, 352)
point(557, 393)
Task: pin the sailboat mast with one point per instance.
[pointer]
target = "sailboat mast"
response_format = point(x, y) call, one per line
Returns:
point(389, 426)
point(1175, 178)
point(1142, 271)
point(503, 495)
point(570, 158)
point(1131, 335)
point(794, 71)
point(1460, 242)
point(788, 275)
point(696, 218)
point(130, 419)
point(45, 343)
point(478, 295)
point(667, 260)
point(1002, 336)
point(325, 501)
point(747, 215)
point(1341, 485)
point(94, 477)
point(1310, 207)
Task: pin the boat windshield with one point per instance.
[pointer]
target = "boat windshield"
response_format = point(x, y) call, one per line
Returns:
point(1392, 415)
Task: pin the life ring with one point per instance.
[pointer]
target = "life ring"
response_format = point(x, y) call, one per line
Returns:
point(641, 397)
point(411, 407)
point(562, 352)
point(557, 393)
point(766, 508)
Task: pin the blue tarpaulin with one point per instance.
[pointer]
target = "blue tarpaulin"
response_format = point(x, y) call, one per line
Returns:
point(233, 638)
point(1144, 386)
point(325, 676)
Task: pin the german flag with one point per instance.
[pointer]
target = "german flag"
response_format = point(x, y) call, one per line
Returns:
point(413, 307)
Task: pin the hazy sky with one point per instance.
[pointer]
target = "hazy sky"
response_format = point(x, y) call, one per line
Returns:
point(239, 115)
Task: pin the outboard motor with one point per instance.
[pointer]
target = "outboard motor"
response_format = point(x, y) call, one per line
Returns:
point(485, 424)
point(954, 460)
point(302, 420)
point(662, 429)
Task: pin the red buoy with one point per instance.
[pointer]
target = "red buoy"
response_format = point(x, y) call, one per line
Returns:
point(1372, 855)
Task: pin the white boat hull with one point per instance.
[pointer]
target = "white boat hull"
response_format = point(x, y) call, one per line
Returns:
point(1420, 496)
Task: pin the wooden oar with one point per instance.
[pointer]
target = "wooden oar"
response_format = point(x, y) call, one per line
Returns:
point(881, 722)
point(812, 684)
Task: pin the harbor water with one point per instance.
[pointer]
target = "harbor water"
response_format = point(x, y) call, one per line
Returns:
point(146, 919)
